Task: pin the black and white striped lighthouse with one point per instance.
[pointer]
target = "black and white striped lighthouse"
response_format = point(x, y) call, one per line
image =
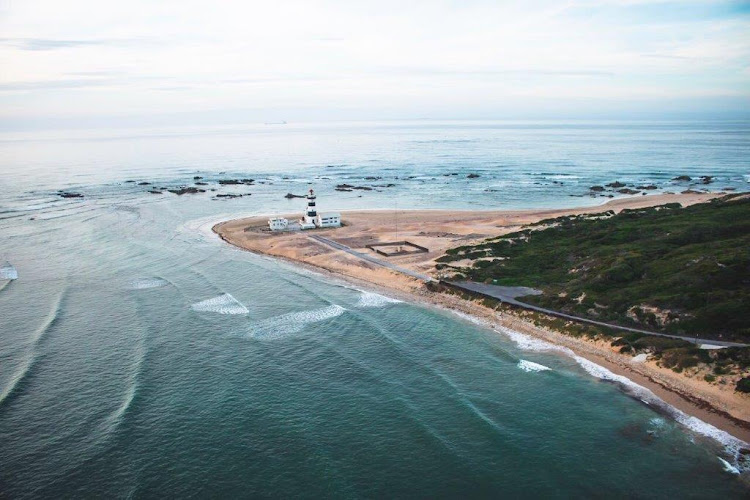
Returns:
point(311, 212)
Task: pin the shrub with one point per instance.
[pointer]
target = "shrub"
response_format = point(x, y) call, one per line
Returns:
point(743, 385)
point(709, 378)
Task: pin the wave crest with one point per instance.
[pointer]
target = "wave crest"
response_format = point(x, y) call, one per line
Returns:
point(371, 299)
point(289, 324)
point(145, 283)
point(8, 272)
point(530, 366)
point(223, 304)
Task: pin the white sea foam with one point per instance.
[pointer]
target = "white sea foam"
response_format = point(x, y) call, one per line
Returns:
point(223, 304)
point(528, 343)
point(469, 318)
point(728, 467)
point(731, 444)
point(145, 283)
point(371, 299)
point(529, 366)
point(289, 324)
point(8, 272)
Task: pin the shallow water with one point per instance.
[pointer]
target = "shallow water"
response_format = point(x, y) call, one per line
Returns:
point(141, 356)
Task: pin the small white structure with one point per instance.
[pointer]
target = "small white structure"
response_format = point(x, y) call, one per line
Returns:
point(278, 224)
point(331, 219)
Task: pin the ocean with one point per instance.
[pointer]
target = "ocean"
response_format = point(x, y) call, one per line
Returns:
point(140, 356)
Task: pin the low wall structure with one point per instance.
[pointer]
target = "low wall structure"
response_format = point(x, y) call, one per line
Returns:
point(394, 248)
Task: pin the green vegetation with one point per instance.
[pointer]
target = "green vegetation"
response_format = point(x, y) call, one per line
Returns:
point(670, 269)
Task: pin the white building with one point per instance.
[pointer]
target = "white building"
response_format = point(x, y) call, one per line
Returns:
point(330, 219)
point(278, 224)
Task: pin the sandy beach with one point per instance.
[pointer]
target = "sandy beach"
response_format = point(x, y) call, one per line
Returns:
point(439, 230)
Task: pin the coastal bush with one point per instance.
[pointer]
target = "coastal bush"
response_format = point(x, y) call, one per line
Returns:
point(743, 385)
point(690, 266)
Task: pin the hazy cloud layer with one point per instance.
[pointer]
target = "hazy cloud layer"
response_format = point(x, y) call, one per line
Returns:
point(324, 59)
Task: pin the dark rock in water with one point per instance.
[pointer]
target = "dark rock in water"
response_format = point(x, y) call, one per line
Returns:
point(472, 176)
point(729, 189)
point(186, 190)
point(628, 191)
point(383, 185)
point(615, 185)
point(231, 195)
point(197, 178)
point(65, 194)
point(707, 179)
point(129, 181)
point(597, 189)
point(234, 182)
point(201, 183)
point(691, 191)
point(362, 188)
point(289, 196)
point(343, 189)
point(344, 186)
point(683, 178)
point(144, 183)
point(647, 186)
point(373, 178)
point(154, 191)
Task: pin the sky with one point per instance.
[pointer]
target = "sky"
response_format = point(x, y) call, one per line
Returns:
point(78, 63)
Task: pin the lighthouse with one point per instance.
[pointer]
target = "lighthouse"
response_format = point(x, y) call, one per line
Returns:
point(308, 220)
point(313, 219)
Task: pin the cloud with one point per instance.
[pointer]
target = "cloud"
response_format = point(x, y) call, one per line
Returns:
point(53, 85)
point(44, 44)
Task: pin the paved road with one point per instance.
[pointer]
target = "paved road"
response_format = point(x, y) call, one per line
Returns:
point(509, 294)
point(370, 258)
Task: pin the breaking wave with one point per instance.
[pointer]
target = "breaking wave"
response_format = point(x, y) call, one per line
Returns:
point(289, 324)
point(145, 283)
point(529, 366)
point(728, 467)
point(8, 272)
point(732, 445)
point(34, 352)
point(223, 304)
point(371, 299)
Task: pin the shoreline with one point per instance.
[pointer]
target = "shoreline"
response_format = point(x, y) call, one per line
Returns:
point(668, 388)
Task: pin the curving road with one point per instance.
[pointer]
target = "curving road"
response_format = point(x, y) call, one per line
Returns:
point(509, 294)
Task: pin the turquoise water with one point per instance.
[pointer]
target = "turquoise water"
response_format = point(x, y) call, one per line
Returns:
point(140, 356)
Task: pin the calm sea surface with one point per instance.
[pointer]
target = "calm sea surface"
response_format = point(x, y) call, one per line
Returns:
point(142, 357)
